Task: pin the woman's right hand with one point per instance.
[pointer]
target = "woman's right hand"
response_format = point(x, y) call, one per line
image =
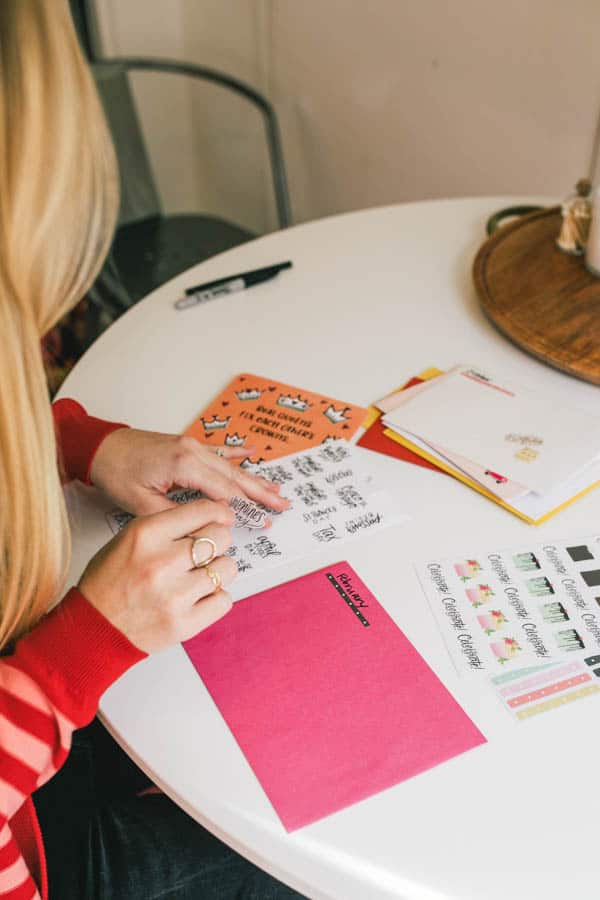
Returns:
point(144, 580)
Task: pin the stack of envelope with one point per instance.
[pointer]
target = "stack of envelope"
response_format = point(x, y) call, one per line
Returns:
point(513, 445)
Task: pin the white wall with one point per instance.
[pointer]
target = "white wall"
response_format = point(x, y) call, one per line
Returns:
point(392, 100)
point(380, 102)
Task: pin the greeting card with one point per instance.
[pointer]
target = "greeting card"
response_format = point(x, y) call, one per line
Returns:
point(326, 697)
point(274, 419)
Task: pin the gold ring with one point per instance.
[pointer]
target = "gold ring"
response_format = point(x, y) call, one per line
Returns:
point(220, 451)
point(200, 563)
point(215, 578)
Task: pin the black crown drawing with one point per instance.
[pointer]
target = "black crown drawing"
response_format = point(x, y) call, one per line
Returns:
point(336, 416)
point(249, 465)
point(234, 440)
point(248, 394)
point(215, 423)
point(296, 403)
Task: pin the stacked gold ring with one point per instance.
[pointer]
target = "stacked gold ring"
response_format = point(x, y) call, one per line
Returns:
point(202, 563)
point(215, 578)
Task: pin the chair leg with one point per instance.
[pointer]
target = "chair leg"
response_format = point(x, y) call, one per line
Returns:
point(108, 298)
point(118, 293)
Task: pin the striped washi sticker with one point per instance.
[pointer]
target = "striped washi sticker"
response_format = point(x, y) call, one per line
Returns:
point(528, 683)
point(555, 702)
point(519, 673)
point(549, 689)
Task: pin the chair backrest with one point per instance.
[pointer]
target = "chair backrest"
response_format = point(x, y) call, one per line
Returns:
point(139, 196)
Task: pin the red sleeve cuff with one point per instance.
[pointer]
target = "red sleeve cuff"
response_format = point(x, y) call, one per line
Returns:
point(78, 437)
point(75, 653)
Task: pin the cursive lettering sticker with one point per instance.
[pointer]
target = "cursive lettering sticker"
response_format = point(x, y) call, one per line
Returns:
point(334, 499)
point(512, 608)
point(247, 513)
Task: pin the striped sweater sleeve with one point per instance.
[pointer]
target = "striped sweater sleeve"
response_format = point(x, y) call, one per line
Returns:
point(48, 687)
point(52, 683)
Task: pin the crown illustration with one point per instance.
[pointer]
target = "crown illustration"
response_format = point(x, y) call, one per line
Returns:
point(290, 402)
point(215, 423)
point(336, 415)
point(248, 464)
point(248, 394)
point(234, 440)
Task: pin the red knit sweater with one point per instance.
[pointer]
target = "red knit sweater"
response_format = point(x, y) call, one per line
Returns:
point(50, 686)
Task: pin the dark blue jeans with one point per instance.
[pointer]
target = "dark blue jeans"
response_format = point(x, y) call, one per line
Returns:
point(103, 842)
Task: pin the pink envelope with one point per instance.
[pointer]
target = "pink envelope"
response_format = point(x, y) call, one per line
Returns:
point(328, 700)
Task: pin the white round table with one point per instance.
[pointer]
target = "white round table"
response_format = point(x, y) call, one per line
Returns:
point(373, 298)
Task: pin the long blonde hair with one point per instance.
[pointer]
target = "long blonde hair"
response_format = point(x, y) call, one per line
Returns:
point(58, 205)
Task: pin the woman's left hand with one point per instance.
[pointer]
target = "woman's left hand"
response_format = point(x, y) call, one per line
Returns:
point(137, 469)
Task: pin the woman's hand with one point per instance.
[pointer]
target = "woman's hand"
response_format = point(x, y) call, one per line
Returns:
point(136, 469)
point(145, 583)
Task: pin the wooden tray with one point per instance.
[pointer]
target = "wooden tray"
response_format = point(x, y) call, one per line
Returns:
point(543, 300)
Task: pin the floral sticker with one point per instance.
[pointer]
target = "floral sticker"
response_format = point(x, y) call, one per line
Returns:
point(492, 621)
point(506, 649)
point(479, 595)
point(467, 570)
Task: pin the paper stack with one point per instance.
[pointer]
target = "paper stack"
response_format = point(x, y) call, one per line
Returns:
point(513, 445)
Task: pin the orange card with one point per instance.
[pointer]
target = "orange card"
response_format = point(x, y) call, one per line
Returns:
point(273, 418)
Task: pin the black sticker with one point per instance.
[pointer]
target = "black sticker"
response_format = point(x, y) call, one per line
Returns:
point(347, 599)
point(579, 554)
point(592, 660)
point(592, 577)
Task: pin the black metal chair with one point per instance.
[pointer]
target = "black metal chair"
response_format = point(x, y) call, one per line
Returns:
point(150, 247)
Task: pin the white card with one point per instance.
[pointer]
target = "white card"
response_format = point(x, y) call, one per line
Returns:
point(522, 435)
point(401, 397)
point(534, 506)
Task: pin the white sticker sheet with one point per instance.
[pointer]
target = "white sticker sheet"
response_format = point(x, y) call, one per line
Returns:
point(500, 610)
point(333, 500)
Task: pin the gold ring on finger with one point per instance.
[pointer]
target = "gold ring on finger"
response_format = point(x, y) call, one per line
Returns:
point(199, 561)
point(215, 578)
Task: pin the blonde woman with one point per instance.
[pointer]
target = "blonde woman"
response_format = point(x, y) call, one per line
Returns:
point(104, 834)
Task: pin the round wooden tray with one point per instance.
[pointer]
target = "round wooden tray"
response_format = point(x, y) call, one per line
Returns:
point(543, 300)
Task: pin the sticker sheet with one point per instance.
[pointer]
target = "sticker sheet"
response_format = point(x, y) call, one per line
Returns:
point(333, 500)
point(506, 609)
point(274, 419)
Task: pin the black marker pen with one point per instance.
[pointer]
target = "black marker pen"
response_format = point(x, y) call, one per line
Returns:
point(231, 284)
